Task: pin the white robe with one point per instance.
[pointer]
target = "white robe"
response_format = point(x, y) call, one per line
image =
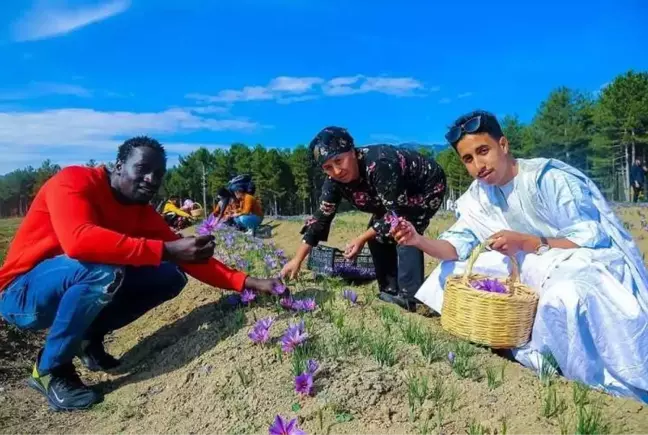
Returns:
point(593, 308)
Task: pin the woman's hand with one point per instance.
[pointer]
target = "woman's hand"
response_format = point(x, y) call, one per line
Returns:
point(405, 234)
point(353, 249)
point(291, 269)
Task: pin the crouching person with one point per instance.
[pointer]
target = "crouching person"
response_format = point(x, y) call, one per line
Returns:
point(90, 257)
point(592, 284)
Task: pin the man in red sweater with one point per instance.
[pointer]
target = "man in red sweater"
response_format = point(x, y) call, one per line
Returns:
point(91, 256)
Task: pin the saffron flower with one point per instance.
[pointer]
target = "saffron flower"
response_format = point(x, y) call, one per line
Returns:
point(248, 296)
point(312, 366)
point(304, 384)
point(294, 336)
point(307, 304)
point(278, 289)
point(286, 302)
point(208, 226)
point(350, 295)
point(392, 219)
point(261, 331)
point(489, 285)
point(282, 427)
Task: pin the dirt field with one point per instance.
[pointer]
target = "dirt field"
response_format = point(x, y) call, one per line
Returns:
point(189, 367)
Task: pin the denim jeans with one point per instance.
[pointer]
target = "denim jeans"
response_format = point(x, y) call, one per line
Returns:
point(399, 269)
point(78, 300)
point(248, 221)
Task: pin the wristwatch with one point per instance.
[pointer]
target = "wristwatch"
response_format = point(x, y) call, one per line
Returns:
point(544, 246)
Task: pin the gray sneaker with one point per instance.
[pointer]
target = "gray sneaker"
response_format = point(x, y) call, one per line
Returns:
point(63, 388)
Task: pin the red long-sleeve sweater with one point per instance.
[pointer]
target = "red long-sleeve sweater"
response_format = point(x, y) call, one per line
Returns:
point(75, 213)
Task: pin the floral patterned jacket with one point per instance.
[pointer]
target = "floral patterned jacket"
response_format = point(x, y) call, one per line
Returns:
point(392, 179)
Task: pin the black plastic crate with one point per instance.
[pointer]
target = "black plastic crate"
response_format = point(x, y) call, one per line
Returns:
point(325, 260)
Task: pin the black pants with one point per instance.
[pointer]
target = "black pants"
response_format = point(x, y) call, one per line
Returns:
point(635, 193)
point(399, 269)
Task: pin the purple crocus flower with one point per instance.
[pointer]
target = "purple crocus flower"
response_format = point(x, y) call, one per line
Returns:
point(304, 384)
point(294, 336)
point(307, 304)
point(278, 289)
point(248, 296)
point(451, 357)
point(281, 427)
point(208, 226)
point(270, 262)
point(311, 366)
point(286, 302)
point(392, 219)
point(350, 295)
point(261, 331)
point(489, 285)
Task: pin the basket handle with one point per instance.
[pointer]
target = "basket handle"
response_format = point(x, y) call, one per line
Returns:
point(514, 277)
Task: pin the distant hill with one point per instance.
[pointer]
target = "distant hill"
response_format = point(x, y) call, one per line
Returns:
point(435, 148)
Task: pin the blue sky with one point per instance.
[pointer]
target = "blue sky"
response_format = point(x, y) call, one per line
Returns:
point(79, 76)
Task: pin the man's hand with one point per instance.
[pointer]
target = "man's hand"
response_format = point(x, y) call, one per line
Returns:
point(405, 234)
point(189, 249)
point(353, 249)
point(265, 285)
point(511, 242)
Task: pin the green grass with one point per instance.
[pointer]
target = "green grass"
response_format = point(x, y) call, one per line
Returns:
point(8, 228)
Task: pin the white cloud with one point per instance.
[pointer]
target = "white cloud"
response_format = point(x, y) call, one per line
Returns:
point(465, 95)
point(297, 85)
point(71, 136)
point(48, 18)
point(286, 90)
point(296, 99)
point(445, 100)
point(64, 156)
point(42, 89)
point(208, 110)
point(88, 127)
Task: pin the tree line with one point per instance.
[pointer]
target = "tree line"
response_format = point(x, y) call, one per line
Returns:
point(600, 134)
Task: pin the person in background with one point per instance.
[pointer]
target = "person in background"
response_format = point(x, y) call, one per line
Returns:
point(637, 179)
point(226, 206)
point(187, 205)
point(174, 216)
point(90, 272)
point(592, 314)
point(249, 214)
point(383, 180)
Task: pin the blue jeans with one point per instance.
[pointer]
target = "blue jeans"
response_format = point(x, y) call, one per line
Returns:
point(248, 221)
point(78, 300)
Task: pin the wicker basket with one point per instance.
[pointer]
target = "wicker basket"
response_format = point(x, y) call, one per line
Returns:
point(497, 320)
point(197, 210)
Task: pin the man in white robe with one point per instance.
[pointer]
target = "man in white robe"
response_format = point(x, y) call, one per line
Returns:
point(592, 283)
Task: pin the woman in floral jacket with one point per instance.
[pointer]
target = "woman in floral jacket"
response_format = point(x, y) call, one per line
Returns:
point(388, 182)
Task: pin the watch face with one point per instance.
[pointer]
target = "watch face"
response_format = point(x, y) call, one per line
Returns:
point(542, 249)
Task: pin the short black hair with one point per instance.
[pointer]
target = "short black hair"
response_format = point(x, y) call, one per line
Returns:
point(125, 149)
point(489, 125)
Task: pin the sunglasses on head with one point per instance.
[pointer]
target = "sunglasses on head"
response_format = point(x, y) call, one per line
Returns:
point(470, 126)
